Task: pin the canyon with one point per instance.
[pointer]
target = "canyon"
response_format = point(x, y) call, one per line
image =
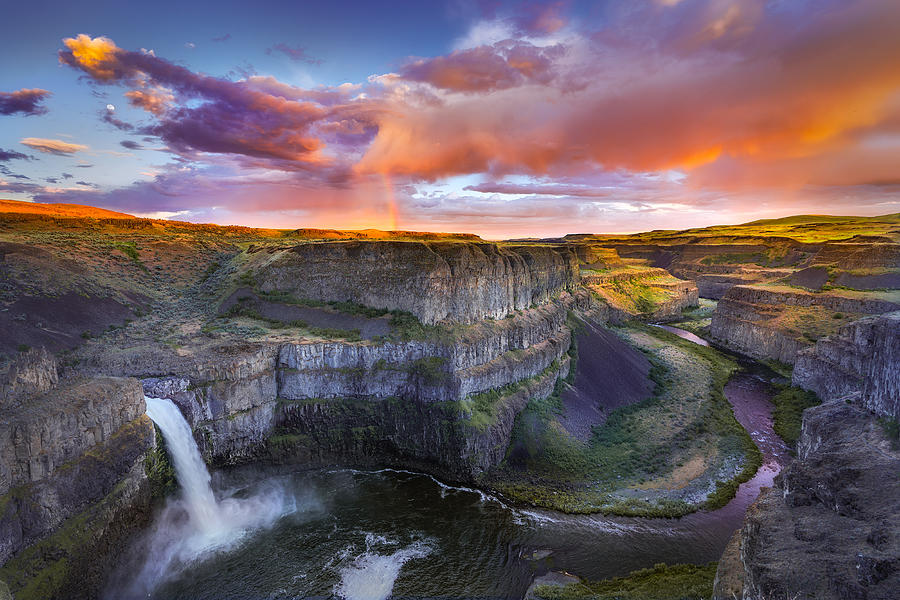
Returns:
point(449, 356)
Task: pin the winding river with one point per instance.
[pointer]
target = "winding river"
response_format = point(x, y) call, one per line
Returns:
point(374, 534)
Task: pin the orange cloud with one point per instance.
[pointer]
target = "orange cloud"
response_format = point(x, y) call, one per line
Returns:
point(47, 146)
point(97, 55)
point(775, 92)
point(154, 100)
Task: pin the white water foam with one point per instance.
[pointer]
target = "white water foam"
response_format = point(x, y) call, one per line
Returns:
point(193, 526)
point(372, 574)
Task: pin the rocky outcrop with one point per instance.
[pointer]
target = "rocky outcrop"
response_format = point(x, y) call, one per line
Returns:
point(645, 293)
point(777, 322)
point(441, 438)
point(863, 359)
point(72, 484)
point(404, 403)
point(831, 529)
point(453, 282)
point(39, 436)
point(32, 372)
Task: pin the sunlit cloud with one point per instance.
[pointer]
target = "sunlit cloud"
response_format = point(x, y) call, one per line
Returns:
point(48, 146)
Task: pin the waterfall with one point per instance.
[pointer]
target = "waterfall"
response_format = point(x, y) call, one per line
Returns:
point(189, 466)
point(174, 543)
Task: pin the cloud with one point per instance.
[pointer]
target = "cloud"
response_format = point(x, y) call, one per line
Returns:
point(198, 113)
point(763, 89)
point(67, 176)
point(296, 54)
point(4, 170)
point(486, 68)
point(7, 155)
point(154, 100)
point(695, 106)
point(539, 189)
point(131, 145)
point(48, 146)
point(222, 38)
point(25, 101)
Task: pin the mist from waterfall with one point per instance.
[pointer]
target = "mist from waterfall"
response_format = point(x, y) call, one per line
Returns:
point(194, 525)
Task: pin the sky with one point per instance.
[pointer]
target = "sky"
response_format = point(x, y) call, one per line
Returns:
point(501, 118)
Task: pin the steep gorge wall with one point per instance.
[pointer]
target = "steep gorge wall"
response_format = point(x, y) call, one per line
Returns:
point(360, 402)
point(73, 484)
point(747, 318)
point(458, 282)
point(830, 530)
point(863, 358)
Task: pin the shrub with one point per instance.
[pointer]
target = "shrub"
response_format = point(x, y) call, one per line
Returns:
point(790, 403)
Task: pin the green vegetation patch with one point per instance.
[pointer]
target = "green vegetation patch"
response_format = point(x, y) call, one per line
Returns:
point(684, 430)
point(757, 258)
point(661, 582)
point(483, 408)
point(790, 402)
point(697, 319)
point(405, 326)
point(891, 430)
point(809, 323)
point(159, 469)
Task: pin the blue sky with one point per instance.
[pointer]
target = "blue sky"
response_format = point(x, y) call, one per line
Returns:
point(503, 118)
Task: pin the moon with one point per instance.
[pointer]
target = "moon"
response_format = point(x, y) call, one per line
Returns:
point(110, 107)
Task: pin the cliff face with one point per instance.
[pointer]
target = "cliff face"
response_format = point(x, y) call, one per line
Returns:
point(436, 281)
point(777, 322)
point(831, 529)
point(863, 358)
point(406, 403)
point(646, 293)
point(72, 484)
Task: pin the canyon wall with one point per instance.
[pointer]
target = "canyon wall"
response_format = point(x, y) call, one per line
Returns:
point(454, 282)
point(639, 292)
point(862, 359)
point(830, 528)
point(777, 322)
point(73, 484)
point(414, 403)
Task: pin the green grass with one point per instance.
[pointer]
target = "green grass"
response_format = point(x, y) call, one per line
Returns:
point(159, 469)
point(661, 582)
point(241, 309)
point(891, 430)
point(686, 416)
point(790, 402)
point(404, 325)
point(482, 408)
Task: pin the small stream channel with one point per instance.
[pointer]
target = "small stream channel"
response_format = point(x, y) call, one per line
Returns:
point(388, 533)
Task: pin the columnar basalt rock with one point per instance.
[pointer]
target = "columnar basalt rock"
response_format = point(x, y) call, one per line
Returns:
point(72, 467)
point(831, 529)
point(862, 359)
point(453, 282)
point(751, 319)
point(32, 372)
point(329, 390)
